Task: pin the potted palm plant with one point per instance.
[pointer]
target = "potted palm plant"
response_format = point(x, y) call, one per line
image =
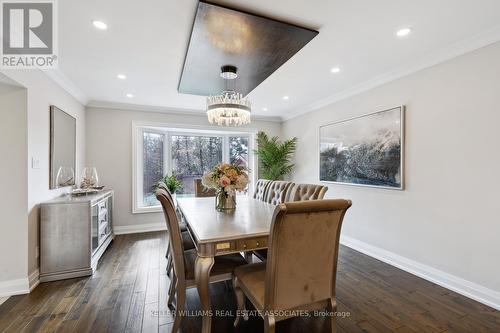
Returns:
point(173, 184)
point(275, 157)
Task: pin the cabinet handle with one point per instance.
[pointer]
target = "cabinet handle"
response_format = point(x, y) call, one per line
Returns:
point(258, 244)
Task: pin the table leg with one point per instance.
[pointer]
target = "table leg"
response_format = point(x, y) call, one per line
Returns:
point(203, 265)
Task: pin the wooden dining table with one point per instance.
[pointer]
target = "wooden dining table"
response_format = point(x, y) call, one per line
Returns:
point(218, 233)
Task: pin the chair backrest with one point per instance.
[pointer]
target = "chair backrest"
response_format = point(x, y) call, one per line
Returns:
point(303, 252)
point(201, 191)
point(303, 192)
point(174, 232)
point(163, 186)
point(277, 191)
point(260, 189)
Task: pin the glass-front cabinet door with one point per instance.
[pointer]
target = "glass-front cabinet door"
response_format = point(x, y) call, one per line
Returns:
point(95, 227)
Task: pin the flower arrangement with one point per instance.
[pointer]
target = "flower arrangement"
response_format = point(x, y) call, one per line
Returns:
point(226, 179)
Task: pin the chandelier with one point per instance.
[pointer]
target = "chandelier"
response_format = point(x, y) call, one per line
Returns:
point(229, 108)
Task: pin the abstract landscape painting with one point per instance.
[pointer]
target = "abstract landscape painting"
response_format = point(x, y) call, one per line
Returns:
point(366, 150)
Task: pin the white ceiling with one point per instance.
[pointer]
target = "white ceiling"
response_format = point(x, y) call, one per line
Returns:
point(147, 41)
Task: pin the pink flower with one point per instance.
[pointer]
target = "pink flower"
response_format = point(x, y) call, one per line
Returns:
point(224, 181)
point(242, 181)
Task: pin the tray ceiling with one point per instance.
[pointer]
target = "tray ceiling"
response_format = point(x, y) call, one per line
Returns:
point(256, 45)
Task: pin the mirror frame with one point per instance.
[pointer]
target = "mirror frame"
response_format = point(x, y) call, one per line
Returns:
point(53, 109)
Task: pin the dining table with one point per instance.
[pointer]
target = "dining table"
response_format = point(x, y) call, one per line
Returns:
point(217, 233)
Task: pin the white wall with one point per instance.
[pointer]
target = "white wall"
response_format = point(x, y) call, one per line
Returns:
point(14, 182)
point(41, 93)
point(109, 149)
point(447, 217)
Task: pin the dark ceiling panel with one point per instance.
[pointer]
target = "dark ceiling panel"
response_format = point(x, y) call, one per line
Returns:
point(221, 36)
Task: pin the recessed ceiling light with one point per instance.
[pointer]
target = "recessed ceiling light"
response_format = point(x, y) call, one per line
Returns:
point(129, 95)
point(264, 109)
point(100, 25)
point(286, 98)
point(121, 76)
point(403, 32)
point(335, 70)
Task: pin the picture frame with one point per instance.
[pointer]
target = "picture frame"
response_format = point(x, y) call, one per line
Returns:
point(366, 150)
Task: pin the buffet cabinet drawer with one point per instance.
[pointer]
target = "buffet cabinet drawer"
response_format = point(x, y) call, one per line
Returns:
point(252, 243)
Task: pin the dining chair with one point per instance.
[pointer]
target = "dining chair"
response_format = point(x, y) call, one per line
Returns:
point(184, 260)
point(202, 191)
point(303, 192)
point(260, 189)
point(277, 191)
point(186, 237)
point(301, 269)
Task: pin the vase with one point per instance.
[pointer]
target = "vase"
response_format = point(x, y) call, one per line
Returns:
point(89, 178)
point(65, 177)
point(224, 202)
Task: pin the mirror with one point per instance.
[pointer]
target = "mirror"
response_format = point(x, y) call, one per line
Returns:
point(62, 148)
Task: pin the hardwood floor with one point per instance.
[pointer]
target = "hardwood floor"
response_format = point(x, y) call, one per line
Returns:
point(128, 293)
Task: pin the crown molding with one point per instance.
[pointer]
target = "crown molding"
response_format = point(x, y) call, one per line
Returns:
point(166, 110)
point(64, 82)
point(455, 50)
point(460, 48)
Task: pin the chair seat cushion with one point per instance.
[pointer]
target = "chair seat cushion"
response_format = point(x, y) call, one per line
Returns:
point(187, 241)
point(223, 264)
point(252, 279)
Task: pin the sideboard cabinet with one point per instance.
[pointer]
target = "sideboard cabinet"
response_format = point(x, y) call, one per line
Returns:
point(74, 233)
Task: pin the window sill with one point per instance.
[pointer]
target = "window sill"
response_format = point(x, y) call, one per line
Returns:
point(145, 210)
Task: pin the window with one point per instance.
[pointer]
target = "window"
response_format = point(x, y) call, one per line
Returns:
point(192, 156)
point(152, 165)
point(238, 150)
point(187, 153)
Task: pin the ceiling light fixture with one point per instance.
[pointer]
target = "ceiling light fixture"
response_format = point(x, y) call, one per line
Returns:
point(121, 76)
point(335, 70)
point(100, 25)
point(286, 98)
point(264, 109)
point(130, 95)
point(229, 108)
point(404, 32)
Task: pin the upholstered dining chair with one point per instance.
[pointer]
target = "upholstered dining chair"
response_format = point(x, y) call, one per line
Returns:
point(303, 192)
point(186, 237)
point(300, 272)
point(201, 191)
point(260, 189)
point(183, 261)
point(277, 191)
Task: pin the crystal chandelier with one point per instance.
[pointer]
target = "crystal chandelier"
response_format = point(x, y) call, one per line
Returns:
point(228, 108)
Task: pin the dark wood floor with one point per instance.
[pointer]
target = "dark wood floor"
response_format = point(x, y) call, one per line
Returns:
point(129, 290)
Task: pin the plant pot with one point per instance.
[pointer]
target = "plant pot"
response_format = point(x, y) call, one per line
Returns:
point(225, 202)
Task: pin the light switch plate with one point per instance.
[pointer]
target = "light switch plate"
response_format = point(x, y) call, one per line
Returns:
point(35, 163)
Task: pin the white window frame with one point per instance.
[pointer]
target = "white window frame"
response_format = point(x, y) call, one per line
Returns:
point(168, 130)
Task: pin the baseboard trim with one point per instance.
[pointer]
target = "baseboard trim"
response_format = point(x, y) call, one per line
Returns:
point(14, 287)
point(138, 228)
point(19, 286)
point(34, 279)
point(466, 288)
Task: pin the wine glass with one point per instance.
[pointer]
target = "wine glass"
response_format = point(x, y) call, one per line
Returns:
point(65, 177)
point(89, 178)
